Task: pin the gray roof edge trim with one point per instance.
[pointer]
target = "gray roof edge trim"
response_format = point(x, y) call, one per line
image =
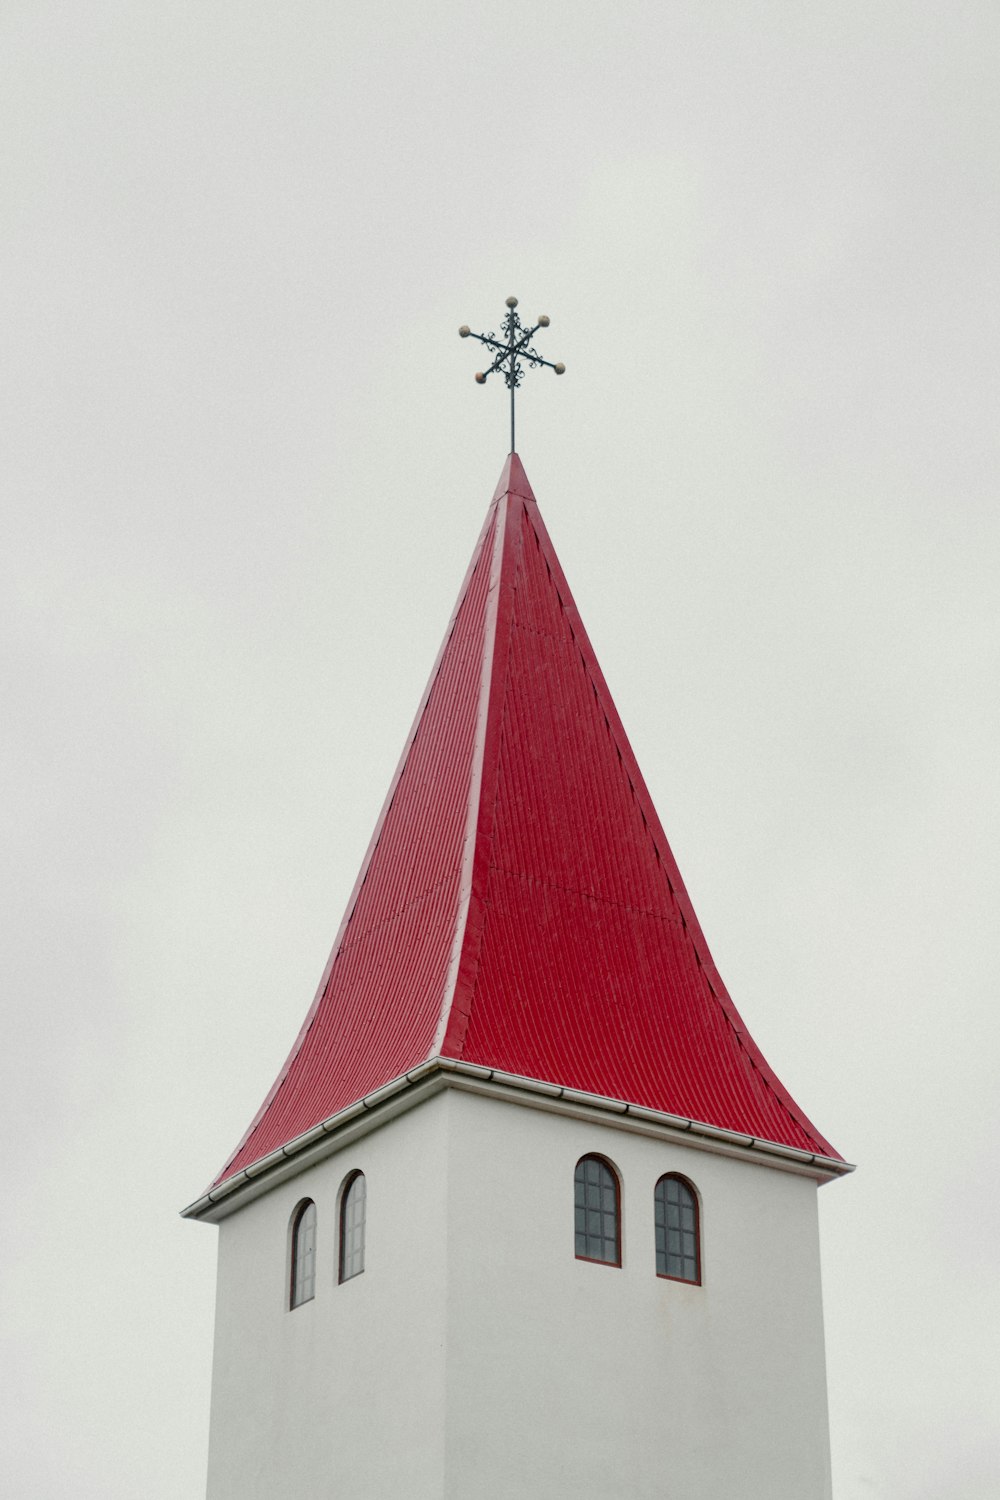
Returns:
point(308, 1138)
point(827, 1164)
point(515, 1083)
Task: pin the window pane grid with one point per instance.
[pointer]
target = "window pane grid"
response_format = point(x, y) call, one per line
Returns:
point(352, 1229)
point(675, 1217)
point(304, 1256)
point(596, 1211)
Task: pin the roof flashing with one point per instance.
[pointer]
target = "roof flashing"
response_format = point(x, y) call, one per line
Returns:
point(438, 1073)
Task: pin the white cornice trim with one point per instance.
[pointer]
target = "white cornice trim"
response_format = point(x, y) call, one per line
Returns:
point(437, 1073)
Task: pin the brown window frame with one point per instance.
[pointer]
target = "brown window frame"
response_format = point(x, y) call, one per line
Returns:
point(301, 1209)
point(595, 1260)
point(349, 1182)
point(696, 1201)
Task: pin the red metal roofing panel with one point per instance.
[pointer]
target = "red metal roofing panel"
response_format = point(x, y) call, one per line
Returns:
point(592, 971)
point(519, 906)
point(378, 1005)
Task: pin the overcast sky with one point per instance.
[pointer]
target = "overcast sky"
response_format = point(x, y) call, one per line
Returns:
point(245, 465)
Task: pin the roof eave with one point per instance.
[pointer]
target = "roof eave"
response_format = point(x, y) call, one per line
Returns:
point(411, 1088)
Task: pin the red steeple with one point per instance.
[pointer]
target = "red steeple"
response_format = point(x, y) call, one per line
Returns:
point(519, 907)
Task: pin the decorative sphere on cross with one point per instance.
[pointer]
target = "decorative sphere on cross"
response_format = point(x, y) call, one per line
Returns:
point(512, 351)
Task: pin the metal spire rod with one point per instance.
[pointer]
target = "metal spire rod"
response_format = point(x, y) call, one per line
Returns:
point(509, 355)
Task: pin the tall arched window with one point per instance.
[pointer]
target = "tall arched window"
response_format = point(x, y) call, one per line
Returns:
point(678, 1252)
point(352, 1227)
point(598, 1231)
point(303, 1279)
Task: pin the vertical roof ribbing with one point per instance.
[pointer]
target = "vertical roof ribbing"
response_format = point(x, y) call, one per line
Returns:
point(519, 906)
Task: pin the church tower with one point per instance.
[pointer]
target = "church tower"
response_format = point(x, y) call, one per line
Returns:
point(526, 1214)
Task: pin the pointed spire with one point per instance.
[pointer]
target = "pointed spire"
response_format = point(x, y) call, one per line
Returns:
point(519, 907)
point(513, 480)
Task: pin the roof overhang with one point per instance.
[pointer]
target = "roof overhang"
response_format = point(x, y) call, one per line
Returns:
point(438, 1073)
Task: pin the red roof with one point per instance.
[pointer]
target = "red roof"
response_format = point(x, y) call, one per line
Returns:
point(519, 907)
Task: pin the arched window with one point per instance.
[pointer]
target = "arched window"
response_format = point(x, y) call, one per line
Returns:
point(303, 1280)
point(598, 1233)
point(352, 1227)
point(678, 1253)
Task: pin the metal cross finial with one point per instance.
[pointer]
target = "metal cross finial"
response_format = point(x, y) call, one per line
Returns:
point(509, 355)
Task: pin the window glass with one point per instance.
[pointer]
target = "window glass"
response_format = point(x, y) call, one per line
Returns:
point(596, 1211)
point(304, 1254)
point(675, 1214)
point(352, 1228)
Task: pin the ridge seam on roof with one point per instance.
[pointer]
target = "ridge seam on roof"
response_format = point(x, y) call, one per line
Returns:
point(464, 991)
point(575, 890)
point(473, 805)
point(458, 1042)
point(373, 843)
point(398, 911)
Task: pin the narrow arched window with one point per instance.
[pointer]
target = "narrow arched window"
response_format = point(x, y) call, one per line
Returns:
point(597, 1211)
point(303, 1280)
point(352, 1227)
point(675, 1214)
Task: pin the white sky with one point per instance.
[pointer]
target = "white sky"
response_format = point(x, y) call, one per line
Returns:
point(246, 463)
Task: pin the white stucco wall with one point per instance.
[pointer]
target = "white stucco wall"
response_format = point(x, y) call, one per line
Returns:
point(343, 1396)
point(477, 1359)
point(566, 1378)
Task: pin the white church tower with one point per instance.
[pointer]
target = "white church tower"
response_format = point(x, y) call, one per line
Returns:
point(526, 1214)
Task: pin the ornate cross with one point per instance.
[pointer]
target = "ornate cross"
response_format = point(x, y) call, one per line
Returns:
point(509, 355)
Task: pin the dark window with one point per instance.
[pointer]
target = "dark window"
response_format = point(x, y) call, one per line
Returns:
point(678, 1254)
point(597, 1212)
point(352, 1227)
point(303, 1254)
